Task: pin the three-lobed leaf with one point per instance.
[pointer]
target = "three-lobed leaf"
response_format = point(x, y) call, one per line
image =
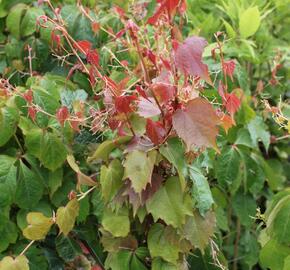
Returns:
point(18, 263)
point(38, 226)
point(66, 216)
point(196, 124)
point(139, 167)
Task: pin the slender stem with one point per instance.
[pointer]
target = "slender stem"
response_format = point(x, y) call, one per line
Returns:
point(19, 144)
point(130, 125)
point(86, 193)
point(26, 248)
point(236, 248)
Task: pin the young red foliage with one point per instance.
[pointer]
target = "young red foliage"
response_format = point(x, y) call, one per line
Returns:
point(155, 131)
point(93, 57)
point(62, 115)
point(123, 104)
point(197, 124)
point(229, 68)
point(28, 96)
point(232, 103)
point(188, 58)
point(83, 46)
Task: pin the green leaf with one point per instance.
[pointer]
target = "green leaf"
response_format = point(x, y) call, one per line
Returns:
point(198, 229)
point(244, 138)
point(174, 151)
point(104, 149)
point(279, 221)
point(68, 97)
point(118, 260)
point(8, 174)
point(163, 242)
point(169, 204)
point(19, 263)
point(257, 129)
point(9, 118)
point(28, 24)
point(97, 204)
point(29, 188)
point(227, 167)
point(8, 235)
point(201, 191)
point(67, 248)
point(287, 263)
point(13, 19)
point(245, 208)
point(159, 264)
point(111, 179)
point(139, 167)
point(46, 146)
point(38, 226)
point(117, 223)
point(55, 180)
point(249, 22)
point(66, 216)
point(230, 31)
point(273, 254)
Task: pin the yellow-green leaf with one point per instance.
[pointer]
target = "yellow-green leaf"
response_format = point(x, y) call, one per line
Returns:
point(66, 216)
point(117, 223)
point(139, 167)
point(105, 148)
point(38, 226)
point(19, 263)
point(249, 22)
point(82, 178)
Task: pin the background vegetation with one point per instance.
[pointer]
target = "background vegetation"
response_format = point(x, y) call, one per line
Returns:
point(62, 161)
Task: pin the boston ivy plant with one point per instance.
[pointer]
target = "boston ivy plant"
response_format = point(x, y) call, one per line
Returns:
point(129, 141)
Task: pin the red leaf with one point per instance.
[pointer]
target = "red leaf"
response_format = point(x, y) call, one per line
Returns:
point(32, 113)
point(62, 115)
point(120, 33)
point(163, 92)
point(28, 96)
point(123, 103)
point(167, 7)
point(83, 46)
point(188, 58)
point(227, 122)
point(95, 27)
point(141, 91)
point(197, 124)
point(229, 68)
point(221, 90)
point(93, 57)
point(96, 267)
point(148, 107)
point(119, 10)
point(232, 103)
point(155, 131)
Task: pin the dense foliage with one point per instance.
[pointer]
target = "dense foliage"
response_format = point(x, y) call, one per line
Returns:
point(144, 135)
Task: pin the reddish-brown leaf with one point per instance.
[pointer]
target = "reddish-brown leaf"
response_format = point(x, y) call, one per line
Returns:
point(188, 58)
point(168, 7)
point(32, 113)
point(232, 103)
point(229, 68)
point(163, 92)
point(62, 115)
point(148, 107)
point(28, 96)
point(155, 131)
point(123, 103)
point(93, 57)
point(83, 46)
point(196, 124)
